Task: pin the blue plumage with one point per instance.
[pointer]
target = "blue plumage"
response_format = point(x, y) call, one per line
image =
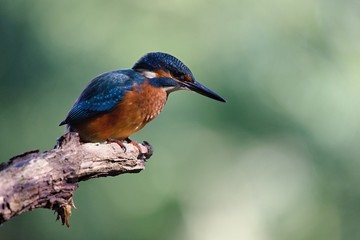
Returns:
point(119, 103)
point(158, 60)
point(103, 94)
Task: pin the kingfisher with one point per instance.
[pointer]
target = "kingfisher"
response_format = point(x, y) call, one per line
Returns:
point(116, 104)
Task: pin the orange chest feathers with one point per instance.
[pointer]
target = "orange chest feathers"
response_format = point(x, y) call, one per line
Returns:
point(135, 110)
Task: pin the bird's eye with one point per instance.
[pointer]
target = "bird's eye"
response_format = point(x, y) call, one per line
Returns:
point(179, 75)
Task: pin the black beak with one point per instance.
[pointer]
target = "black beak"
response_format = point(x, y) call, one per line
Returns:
point(201, 89)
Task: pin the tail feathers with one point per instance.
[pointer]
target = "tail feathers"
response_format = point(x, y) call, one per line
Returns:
point(68, 127)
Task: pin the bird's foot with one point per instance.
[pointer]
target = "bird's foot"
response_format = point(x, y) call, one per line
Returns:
point(142, 155)
point(135, 144)
point(150, 150)
point(119, 142)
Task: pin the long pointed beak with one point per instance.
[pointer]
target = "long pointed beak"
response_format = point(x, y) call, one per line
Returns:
point(201, 89)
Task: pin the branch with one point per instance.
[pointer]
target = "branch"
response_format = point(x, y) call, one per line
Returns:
point(48, 180)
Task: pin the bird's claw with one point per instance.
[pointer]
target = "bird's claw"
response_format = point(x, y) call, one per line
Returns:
point(142, 155)
point(137, 146)
point(119, 142)
point(150, 150)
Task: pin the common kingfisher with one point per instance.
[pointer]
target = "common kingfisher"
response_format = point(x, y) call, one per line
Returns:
point(116, 104)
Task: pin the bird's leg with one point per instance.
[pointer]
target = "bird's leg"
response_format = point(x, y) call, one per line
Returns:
point(136, 145)
point(119, 142)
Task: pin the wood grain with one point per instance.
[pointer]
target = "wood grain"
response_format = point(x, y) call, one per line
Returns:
point(48, 180)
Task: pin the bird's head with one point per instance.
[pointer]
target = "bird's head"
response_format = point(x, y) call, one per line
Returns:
point(166, 71)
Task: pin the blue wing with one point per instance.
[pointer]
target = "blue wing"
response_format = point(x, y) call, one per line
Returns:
point(102, 95)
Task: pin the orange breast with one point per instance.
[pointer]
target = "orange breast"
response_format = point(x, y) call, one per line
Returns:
point(135, 110)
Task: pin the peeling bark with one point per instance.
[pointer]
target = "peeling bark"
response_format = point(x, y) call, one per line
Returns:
point(48, 180)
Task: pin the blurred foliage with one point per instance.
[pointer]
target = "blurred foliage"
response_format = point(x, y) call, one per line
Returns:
point(278, 161)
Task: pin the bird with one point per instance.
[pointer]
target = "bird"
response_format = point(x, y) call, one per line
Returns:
point(116, 104)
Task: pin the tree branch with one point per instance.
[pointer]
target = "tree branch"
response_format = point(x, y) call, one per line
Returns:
point(48, 180)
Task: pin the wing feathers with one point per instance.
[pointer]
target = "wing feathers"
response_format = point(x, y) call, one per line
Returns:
point(102, 95)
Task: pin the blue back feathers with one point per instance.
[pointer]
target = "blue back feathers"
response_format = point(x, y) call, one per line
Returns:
point(102, 94)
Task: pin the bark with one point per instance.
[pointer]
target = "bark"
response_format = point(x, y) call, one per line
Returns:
point(48, 180)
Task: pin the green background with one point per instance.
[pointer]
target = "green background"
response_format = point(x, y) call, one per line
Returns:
point(280, 160)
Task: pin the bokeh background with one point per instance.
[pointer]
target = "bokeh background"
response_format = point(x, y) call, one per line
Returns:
point(280, 160)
